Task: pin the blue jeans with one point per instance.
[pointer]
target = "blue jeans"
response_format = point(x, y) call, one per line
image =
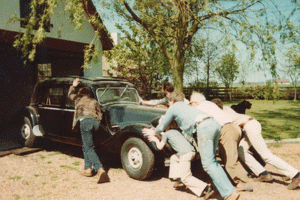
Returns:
point(87, 126)
point(208, 133)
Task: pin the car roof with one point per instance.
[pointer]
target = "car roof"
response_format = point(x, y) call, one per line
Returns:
point(86, 80)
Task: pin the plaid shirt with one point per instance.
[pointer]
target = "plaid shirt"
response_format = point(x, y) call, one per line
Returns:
point(85, 107)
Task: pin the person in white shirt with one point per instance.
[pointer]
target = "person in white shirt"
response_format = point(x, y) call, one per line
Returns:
point(230, 137)
point(252, 129)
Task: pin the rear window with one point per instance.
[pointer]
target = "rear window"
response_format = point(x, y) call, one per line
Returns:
point(53, 96)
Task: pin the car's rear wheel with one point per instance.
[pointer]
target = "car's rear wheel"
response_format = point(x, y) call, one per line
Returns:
point(137, 158)
point(28, 139)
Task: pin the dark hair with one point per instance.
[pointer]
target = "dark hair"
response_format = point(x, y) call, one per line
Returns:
point(167, 86)
point(218, 102)
point(176, 96)
point(85, 91)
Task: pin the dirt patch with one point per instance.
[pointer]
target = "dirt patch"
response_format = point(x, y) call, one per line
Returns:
point(54, 174)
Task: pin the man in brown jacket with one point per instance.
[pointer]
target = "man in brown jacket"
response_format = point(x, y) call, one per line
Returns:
point(88, 114)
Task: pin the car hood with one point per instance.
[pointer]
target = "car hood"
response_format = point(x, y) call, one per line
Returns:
point(122, 115)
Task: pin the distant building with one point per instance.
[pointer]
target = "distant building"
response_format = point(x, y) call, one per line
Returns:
point(283, 81)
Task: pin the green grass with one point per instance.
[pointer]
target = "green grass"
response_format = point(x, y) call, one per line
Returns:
point(77, 163)
point(279, 119)
point(68, 167)
point(15, 178)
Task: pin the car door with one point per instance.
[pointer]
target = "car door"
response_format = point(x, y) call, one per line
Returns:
point(69, 111)
point(51, 112)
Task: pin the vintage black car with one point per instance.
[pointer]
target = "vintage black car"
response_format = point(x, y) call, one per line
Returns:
point(51, 112)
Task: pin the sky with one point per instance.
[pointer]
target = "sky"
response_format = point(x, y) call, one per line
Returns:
point(254, 75)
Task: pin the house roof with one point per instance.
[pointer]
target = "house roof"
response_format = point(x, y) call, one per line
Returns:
point(283, 80)
point(91, 11)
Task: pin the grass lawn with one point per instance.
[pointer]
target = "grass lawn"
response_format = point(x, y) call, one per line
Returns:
point(279, 119)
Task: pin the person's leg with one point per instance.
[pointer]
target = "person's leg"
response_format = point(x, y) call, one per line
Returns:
point(174, 171)
point(195, 185)
point(90, 156)
point(207, 132)
point(253, 132)
point(248, 159)
point(228, 148)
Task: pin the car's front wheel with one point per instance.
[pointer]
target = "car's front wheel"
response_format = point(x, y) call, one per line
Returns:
point(28, 139)
point(137, 158)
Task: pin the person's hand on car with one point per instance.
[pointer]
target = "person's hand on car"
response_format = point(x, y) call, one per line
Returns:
point(153, 138)
point(148, 132)
point(76, 82)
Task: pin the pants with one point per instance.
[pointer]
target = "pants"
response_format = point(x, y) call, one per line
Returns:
point(208, 133)
point(87, 126)
point(253, 133)
point(181, 167)
point(228, 147)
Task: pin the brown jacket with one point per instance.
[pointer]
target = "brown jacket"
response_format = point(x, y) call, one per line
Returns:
point(84, 106)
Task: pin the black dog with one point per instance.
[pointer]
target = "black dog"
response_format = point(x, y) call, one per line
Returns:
point(241, 107)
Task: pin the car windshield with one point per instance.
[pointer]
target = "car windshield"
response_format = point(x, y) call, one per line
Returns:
point(117, 94)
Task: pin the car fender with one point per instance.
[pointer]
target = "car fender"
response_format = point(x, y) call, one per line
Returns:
point(114, 144)
point(33, 115)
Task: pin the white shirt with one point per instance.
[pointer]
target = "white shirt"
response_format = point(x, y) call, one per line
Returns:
point(216, 112)
point(236, 117)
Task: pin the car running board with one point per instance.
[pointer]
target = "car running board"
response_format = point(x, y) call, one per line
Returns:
point(36, 131)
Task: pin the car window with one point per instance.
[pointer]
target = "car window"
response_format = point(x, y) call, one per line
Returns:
point(117, 94)
point(53, 96)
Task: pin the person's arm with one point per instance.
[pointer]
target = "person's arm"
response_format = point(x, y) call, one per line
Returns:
point(72, 91)
point(155, 102)
point(159, 144)
point(98, 110)
point(169, 116)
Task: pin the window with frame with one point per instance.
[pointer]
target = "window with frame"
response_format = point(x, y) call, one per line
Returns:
point(53, 97)
point(117, 94)
point(25, 10)
point(44, 71)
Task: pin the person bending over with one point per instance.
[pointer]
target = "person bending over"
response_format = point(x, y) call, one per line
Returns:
point(88, 114)
point(230, 137)
point(252, 129)
point(190, 120)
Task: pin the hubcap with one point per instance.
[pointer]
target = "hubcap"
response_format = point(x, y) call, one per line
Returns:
point(25, 131)
point(135, 158)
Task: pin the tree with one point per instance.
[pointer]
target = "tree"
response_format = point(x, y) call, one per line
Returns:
point(201, 57)
point(42, 11)
point(292, 69)
point(139, 60)
point(227, 70)
point(173, 24)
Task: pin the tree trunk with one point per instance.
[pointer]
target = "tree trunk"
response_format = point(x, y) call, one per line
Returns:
point(295, 93)
point(177, 71)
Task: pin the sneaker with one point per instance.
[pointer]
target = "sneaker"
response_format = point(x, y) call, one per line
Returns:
point(294, 184)
point(244, 186)
point(208, 192)
point(233, 196)
point(178, 185)
point(88, 172)
point(264, 178)
point(102, 175)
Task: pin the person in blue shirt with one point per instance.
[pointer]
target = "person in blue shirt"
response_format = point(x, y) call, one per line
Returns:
point(192, 120)
point(180, 162)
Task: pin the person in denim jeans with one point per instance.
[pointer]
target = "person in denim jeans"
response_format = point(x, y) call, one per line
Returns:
point(88, 114)
point(190, 120)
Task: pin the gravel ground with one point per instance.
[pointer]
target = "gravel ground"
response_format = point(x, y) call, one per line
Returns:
point(54, 173)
